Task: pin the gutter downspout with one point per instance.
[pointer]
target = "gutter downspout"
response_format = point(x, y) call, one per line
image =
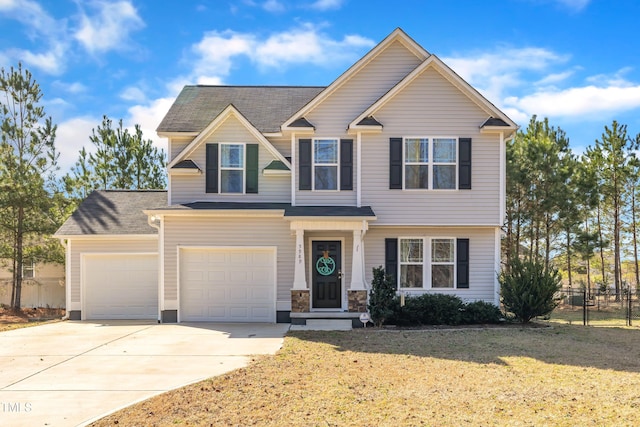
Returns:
point(67, 276)
point(151, 219)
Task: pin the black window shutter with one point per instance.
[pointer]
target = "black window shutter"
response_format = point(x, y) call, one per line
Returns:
point(251, 186)
point(212, 168)
point(462, 263)
point(395, 163)
point(346, 164)
point(304, 162)
point(391, 259)
point(464, 168)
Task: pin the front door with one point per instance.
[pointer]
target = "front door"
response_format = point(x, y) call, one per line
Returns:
point(327, 274)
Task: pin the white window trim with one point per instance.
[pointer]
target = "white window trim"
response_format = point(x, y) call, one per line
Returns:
point(430, 163)
point(244, 167)
point(29, 264)
point(427, 262)
point(314, 164)
point(454, 263)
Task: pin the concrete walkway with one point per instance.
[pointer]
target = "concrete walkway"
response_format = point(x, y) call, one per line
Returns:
point(70, 373)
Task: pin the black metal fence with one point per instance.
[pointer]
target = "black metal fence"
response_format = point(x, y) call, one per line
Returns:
point(599, 308)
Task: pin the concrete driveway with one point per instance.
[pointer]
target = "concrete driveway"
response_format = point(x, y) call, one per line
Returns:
point(70, 373)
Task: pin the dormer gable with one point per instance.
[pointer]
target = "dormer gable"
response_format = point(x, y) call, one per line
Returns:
point(398, 36)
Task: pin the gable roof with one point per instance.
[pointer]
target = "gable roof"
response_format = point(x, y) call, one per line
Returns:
point(397, 35)
point(230, 111)
point(113, 212)
point(451, 76)
point(266, 107)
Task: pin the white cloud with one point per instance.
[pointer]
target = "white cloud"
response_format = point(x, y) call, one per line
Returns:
point(326, 4)
point(555, 78)
point(41, 28)
point(307, 44)
point(109, 27)
point(578, 101)
point(133, 93)
point(148, 116)
point(71, 136)
point(273, 6)
point(72, 88)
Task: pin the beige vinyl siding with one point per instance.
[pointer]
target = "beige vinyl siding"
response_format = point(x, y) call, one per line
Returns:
point(431, 106)
point(332, 116)
point(221, 231)
point(282, 144)
point(482, 262)
point(124, 245)
point(176, 145)
point(191, 188)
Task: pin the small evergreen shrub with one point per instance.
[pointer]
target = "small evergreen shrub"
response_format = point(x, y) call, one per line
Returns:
point(428, 309)
point(381, 297)
point(479, 312)
point(528, 290)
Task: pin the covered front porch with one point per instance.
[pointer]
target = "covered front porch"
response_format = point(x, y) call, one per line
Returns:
point(329, 277)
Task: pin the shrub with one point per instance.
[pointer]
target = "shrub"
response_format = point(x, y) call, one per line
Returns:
point(428, 309)
point(528, 290)
point(381, 296)
point(479, 312)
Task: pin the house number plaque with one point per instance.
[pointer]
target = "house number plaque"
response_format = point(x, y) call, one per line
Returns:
point(325, 265)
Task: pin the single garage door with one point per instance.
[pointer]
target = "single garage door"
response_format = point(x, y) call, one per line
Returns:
point(227, 285)
point(120, 286)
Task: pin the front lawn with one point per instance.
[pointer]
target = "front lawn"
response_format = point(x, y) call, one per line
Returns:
point(559, 376)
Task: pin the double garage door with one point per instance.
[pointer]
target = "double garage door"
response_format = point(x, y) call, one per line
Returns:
point(227, 284)
point(120, 286)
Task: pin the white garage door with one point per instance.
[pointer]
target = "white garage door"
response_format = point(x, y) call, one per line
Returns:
point(120, 286)
point(227, 285)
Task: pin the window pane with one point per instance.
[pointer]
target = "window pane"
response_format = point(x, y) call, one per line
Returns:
point(231, 181)
point(444, 177)
point(326, 178)
point(444, 150)
point(416, 150)
point(410, 276)
point(326, 151)
point(231, 156)
point(442, 250)
point(442, 276)
point(416, 176)
point(411, 250)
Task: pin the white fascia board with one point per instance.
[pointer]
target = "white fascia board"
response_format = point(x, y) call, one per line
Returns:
point(107, 236)
point(364, 129)
point(270, 172)
point(177, 134)
point(215, 123)
point(396, 35)
point(184, 171)
point(261, 213)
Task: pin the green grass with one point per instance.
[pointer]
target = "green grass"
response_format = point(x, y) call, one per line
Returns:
point(557, 376)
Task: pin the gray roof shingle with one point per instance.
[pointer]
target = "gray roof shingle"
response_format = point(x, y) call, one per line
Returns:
point(266, 107)
point(289, 211)
point(113, 212)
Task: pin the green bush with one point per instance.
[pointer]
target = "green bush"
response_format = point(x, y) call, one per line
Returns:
point(381, 295)
point(428, 309)
point(480, 312)
point(528, 290)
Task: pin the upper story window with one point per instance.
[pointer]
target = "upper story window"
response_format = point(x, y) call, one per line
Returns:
point(29, 269)
point(430, 163)
point(325, 164)
point(232, 168)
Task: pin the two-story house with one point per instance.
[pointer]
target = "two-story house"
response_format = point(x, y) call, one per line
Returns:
point(282, 200)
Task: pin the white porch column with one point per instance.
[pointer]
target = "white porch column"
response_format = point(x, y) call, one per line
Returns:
point(299, 273)
point(357, 266)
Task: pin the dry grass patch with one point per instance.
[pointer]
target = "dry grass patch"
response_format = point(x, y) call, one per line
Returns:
point(561, 376)
point(27, 317)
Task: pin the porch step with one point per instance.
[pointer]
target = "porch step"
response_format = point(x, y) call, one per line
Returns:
point(324, 325)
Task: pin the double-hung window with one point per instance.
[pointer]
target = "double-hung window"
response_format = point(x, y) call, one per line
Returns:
point(411, 263)
point(231, 168)
point(325, 164)
point(419, 268)
point(443, 261)
point(430, 163)
point(28, 269)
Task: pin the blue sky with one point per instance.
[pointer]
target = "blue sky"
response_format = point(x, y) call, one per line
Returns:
point(574, 61)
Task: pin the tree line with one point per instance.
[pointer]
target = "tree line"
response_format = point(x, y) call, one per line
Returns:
point(574, 212)
point(34, 199)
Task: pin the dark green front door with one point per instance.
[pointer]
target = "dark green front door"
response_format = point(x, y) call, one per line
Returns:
point(327, 274)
